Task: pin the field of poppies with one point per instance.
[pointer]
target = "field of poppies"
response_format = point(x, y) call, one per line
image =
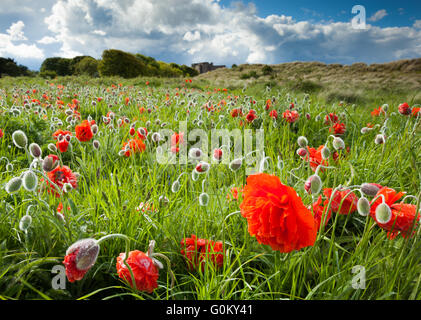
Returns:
point(117, 189)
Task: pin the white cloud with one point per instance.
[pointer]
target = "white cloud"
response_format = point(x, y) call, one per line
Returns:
point(48, 40)
point(378, 15)
point(417, 24)
point(203, 30)
point(10, 49)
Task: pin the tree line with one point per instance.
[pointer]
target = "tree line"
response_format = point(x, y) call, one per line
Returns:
point(113, 63)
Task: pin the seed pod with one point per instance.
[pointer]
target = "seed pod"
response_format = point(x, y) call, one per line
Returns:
point(302, 142)
point(235, 164)
point(383, 213)
point(30, 180)
point(25, 223)
point(19, 139)
point(35, 150)
point(203, 199)
point(175, 186)
point(313, 185)
point(13, 185)
point(87, 253)
point(325, 153)
point(369, 189)
point(338, 143)
point(363, 206)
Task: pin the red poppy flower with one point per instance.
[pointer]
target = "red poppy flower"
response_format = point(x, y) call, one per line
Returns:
point(196, 251)
point(62, 145)
point(314, 157)
point(318, 210)
point(236, 112)
point(404, 109)
point(61, 132)
point(404, 216)
point(348, 199)
point(251, 116)
point(275, 214)
point(60, 176)
point(291, 116)
point(133, 146)
point(144, 270)
point(331, 118)
point(80, 257)
point(176, 139)
point(84, 131)
point(234, 193)
point(273, 114)
point(1, 134)
point(338, 128)
point(377, 112)
point(416, 111)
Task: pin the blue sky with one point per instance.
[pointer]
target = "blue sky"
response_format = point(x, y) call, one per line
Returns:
point(223, 32)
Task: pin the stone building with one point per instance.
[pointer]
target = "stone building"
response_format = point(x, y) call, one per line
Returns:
point(203, 67)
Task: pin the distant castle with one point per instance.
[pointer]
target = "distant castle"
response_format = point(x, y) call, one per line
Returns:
point(203, 67)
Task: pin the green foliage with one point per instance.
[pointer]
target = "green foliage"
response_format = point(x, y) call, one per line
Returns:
point(267, 70)
point(251, 74)
point(48, 74)
point(87, 66)
point(9, 67)
point(61, 66)
point(120, 63)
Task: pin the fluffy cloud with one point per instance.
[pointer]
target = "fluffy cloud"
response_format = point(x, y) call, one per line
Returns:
point(9, 47)
point(187, 31)
point(378, 15)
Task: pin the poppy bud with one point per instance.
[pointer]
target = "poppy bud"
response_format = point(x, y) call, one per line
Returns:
point(25, 222)
point(313, 185)
point(35, 150)
point(195, 153)
point(132, 131)
point(235, 164)
point(338, 143)
point(302, 142)
point(380, 139)
point(52, 147)
point(325, 153)
point(308, 116)
point(363, 206)
point(69, 112)
point(94, 129)
point(67, 187)
point(175, 186)
point(147, 124)
point(302, 152)
point(96, 144)
point(383, 213)
point(19, 139)
point(364, 130)
point(163, 124)
point(9, 167)
point(86, 251)
point(122, 153)
point(30, 180)
point(60, 217)
point(202, 167)
point(48, 164)
point(13, 185)
point(369, 189)
point(217, 154)
point(203, 199)
point(317, 118)
point(195, 175)
point(158, 122)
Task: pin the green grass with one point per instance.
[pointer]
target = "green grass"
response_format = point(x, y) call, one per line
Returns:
point(110, 188)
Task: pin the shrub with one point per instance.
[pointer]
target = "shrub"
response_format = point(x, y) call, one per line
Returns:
point(267, 70)
point(87, 66)
point(120, 63)
point(61, 66)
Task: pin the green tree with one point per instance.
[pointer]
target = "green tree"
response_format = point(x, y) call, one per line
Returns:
point(9, 67)
point(86, 66)
point(61, 66)
point(120, 63)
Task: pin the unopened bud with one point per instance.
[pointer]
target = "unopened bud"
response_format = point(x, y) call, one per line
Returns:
point(67, 187)
point(202, 167)
point(52, 147)
point(35, 150)
point(13, 185)
point(175, 186)
point(383, 213)
point(96, 144)
point(19, 139)
point(235, 164)
point(25, 222)
point(30, 180)
point(338, 143)
point(302, 142)
point(369, 189)
point(313, 185)
point(380, 139)
point(363, 206)
point(94, 129)
point(86, 253)
point(325, 153)
point(203, 199)
point(302, 152)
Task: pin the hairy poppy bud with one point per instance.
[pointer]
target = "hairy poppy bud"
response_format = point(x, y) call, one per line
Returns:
point(302, 142)
point(13, 185)
point(30, 180)
point(380, 139)
point(235, 164)
point(364, 130)
point(67, 187)
point(52, 147)
point(175, 186)
point(195, 175)
point(313, 185)
point(203, 199)
point(369, 189)
point(202, 167)
point(302, 152)
point(156, 137)
point(338, 143)
point(25, 222)
point(217, 154)
point(80, 257)
point(363, 206)
point(383, 213)
point(35, 150)
point(325, 153)
point(49, 164)
point(94, 129)
point(9, 167)
point(96, 144)
point(19, 139)
point(195, 153)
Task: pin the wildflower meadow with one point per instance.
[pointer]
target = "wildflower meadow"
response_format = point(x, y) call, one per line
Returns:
point(181, 189)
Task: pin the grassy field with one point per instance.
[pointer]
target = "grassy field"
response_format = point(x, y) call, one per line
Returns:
point(111, 187)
